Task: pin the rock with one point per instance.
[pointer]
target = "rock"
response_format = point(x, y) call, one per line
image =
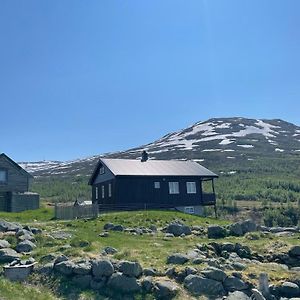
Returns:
point(257, 295)
point(229, 247)
point(36, 230)
point(165, 289)
point(60, 259)
point(4, 244)
point(149, 272)
point(118, 228)
point(147, 284)
point(238, 266)
point(294, 251)
point(130, 268)
point(25, 246)
point(215, 274)
point(104, 234)
point(97, 284)
point(153, 228)
point(123, 283)
point(248, 226)
point(102, 268)
point(177, 258)
point(108, 226)
point(232, 284)
point(17, 273)
point(178, 229)
point(216, 232)
point(82, 281)
point(26, 237)
point(46, 269)
point(242, 251)
point(8, 226)
point(237, 295)
point(8, 255)
point(109, 250)
point(64, 267)
point(83, 268)
point(236, 229)
point(198, 285)
point(289, 289)
point(169, 235)
point(192, 254)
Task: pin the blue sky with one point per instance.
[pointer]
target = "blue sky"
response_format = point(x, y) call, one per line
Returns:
point(79, 78)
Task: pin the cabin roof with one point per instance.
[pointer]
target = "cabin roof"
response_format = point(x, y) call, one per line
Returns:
point(134, 167)
point(14, 164)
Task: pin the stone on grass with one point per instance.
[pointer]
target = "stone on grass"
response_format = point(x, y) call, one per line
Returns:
point(109, 250)
point(237, 295)
point(18, 273)
point(65, 267)
point(83, 268)
point(108, 226)
point(216, 232)
point(248, 226)
point(215, 274)
point(232, 283)
point(257, 294)
point(147, 284)
point(236, 229)
point(165, 289)
point(123, 283)
point(130, 268)
point(25, 246)
point(177, 259)
point(149, 272)
point(102, 268)
point(178, 229)
point(8, 255)
point(294, 251)
point(198, 285)
point(46, 269)
point(60, 258)
point(97, 284)
point(82, 281)
point(4, 244)
point(289, 289)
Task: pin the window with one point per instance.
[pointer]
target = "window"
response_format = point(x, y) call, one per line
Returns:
point(96, 192)
point(109, 190)
point(157, 185)
point(3, 176)
point(189, 209)
point(191, 187)
point(103, 194)
point(173, 188)
point(101, 170)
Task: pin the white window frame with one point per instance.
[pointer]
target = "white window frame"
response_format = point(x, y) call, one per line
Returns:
point(101, 170)
point(189, 209)
point(191, 187)
point(96, 193)
point(4, 179)
point(109, 190)
point(102, 192)
point(173, 187)
point(156, 184)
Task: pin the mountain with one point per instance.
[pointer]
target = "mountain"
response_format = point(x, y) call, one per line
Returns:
point(215, 142)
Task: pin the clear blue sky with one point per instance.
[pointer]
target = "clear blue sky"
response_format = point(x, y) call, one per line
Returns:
point(79, 78)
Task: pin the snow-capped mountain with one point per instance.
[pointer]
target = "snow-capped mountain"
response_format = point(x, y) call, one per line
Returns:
point(211, 141)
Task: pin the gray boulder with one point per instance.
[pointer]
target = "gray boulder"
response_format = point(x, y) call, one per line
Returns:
point(178, 229)
point(123, 283)
point(289, 289)
point(4, 244)
point(198, 285)
point(294, 251)
point(130, 268)
point(8, 255)
point(165, 289)
point(8, 226)
point(97, 284)
point(150, 272)
point(83, 268)
point(65, 267)
point(60, 258)
point(82, 281)
point(236, 229)
point(118, 228)
point(25, 246)
point(237, 295)
point(102, 268)
point(109, 250)
point(108, 226)
point(215, 274)
point(46, 269)
point(147, 284)
point(216, 232)
point(248, 226)
point(257, 295)
point(232, 283)
point(177, 258)
point(229, 247)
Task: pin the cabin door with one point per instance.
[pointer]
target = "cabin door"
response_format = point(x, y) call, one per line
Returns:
point(4, 201)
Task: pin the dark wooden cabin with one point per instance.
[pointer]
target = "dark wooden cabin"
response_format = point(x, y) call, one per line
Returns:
point(14, 187)
point(138, 184)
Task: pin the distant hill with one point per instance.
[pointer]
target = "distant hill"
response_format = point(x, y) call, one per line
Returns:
point(214, 143)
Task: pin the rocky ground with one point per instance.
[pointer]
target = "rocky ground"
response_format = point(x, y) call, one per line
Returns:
point(217, 262)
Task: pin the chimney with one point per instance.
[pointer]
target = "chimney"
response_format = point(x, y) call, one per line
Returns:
point(144, 156)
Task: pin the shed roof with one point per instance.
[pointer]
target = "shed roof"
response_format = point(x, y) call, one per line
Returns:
point(18, 167)
point(134, 167)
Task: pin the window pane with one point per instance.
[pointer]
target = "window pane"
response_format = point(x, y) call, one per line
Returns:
point(96, 192)
point(191, 187)
point(157, 185)
point(3, 177)
point(109, 190)
point(102, 191)
point(173, 187)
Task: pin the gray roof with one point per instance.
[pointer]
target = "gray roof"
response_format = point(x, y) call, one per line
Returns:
point(134, 167)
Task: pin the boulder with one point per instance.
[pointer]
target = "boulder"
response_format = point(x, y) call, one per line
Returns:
point(129, 268)
point(123, 283)
point(165, 289)
point(97, 284)
point(118, 228)
point(242, 251)
point(46, 269)
point(82, 281)
point(65, 267)
point(18, 273)
point(289, 289)
point(4, 244)
point(238, 266)
point(215, 274)
point(82, 268)
point(149, 272)
point(198, 285)
point(237, 295)
point(8, 226)
point(229, 247)
point(232, 283)
point(294, 251)
point(257, 295)
point(248, 226)
point(102, 268)
point(177, 258)
point(36, 230)
point(216, 232)
point(60, 258)
point(147, 284)
point(108, 226)
point(109, 250)
point(178, 229)
point(25, 246)
point(236, 229)
point(8, 255)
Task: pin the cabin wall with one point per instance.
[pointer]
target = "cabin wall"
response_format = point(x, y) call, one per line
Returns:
point(16, 180)
point(104, 198)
